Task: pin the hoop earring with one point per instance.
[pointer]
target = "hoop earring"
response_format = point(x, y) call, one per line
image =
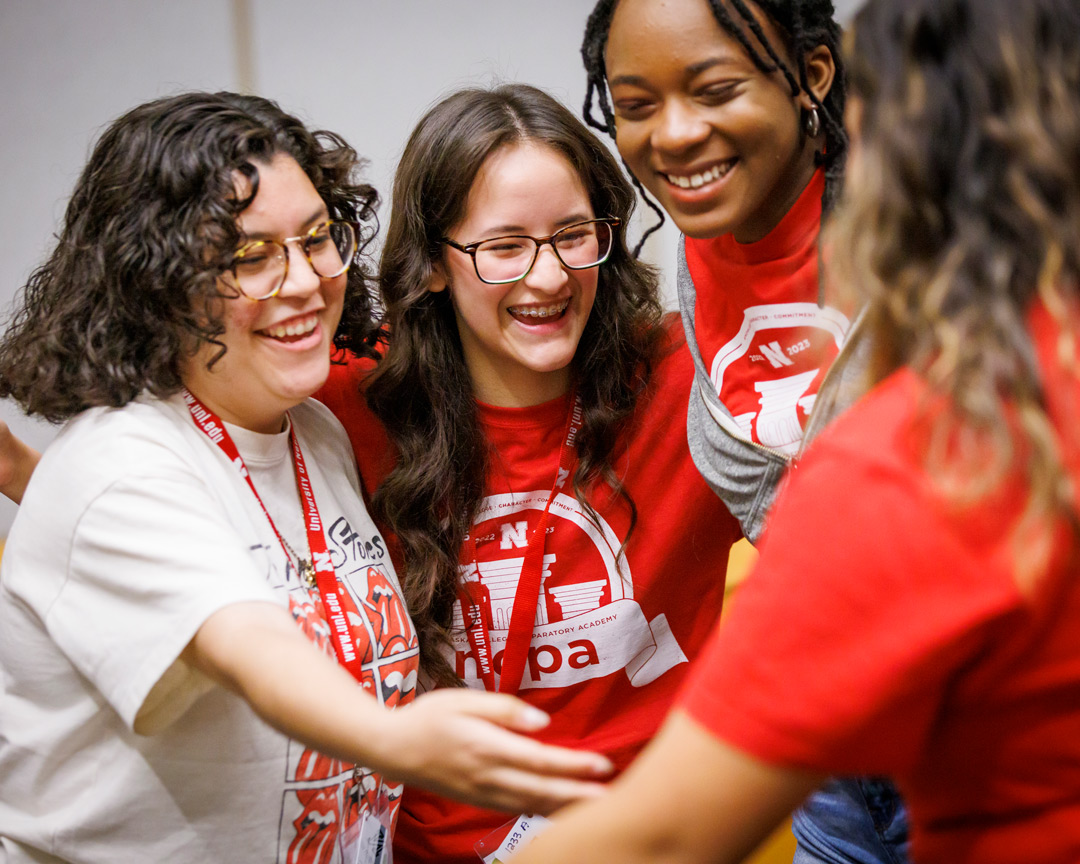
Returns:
point(812, 123)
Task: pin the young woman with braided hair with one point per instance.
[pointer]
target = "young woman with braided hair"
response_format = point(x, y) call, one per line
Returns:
point(923, 559)
point(729, 114)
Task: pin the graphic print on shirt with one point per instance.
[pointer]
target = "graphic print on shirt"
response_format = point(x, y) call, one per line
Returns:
point(324, 796)
point(781, 349)
point(587, 623)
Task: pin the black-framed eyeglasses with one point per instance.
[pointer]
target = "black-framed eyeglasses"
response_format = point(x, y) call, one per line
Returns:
point(260, 268)
point(501, 260)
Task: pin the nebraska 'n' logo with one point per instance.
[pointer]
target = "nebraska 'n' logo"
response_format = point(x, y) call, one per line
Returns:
point(585, 628)
point(781, 336)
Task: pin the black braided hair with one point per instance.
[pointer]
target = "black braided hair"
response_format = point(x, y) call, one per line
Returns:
point(805, 24)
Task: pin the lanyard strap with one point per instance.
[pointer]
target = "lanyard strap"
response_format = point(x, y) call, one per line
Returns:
point(325, 578)
point(472, 593)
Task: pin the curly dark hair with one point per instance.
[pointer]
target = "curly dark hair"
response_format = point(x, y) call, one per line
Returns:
point(131, 288)
point(422, 391)
point(964, 209)
point(804, 25)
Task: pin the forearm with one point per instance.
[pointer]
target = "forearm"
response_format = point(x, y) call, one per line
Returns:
point(454, 742)
point(260, 654)
point(688, 799)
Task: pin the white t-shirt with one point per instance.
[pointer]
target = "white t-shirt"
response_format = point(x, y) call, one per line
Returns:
point(134, 530)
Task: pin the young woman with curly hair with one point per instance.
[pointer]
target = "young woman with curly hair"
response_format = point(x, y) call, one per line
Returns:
point(923, 559)
point(556, 538)
point(192, 564)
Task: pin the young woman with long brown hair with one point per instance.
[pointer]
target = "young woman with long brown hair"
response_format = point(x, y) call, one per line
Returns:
point(556, 539)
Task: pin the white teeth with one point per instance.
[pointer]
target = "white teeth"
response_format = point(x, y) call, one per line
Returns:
point(538, 312)
point(294, 328)
point(696, 181)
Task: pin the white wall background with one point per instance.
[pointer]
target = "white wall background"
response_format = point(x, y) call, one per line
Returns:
point(366, 69)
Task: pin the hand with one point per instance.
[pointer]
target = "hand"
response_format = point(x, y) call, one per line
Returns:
point(464, 744)
point(17, 463)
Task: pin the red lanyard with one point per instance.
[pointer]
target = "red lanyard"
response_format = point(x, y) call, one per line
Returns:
point(523, 617)
point(325, 578)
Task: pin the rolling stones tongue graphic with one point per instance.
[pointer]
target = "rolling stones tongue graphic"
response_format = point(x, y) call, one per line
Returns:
point(324, 796)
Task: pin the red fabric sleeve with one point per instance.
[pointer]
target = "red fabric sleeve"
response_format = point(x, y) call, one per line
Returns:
point(343, 395)
point(866, 600)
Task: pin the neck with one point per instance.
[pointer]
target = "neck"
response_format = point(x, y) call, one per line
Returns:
point(803, 173)
point(521, 390)
point(265, 423)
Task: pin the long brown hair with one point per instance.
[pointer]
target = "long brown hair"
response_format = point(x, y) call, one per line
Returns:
point(421, 389)
point(962, 209)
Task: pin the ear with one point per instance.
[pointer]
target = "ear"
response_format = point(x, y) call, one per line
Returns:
point(820, 72)
point(438, 280)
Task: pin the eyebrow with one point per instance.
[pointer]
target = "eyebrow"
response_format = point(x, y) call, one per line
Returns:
point(319, 215)
point(692, 70)
point(497, 231)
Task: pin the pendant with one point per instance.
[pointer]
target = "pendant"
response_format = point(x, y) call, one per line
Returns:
point(306, 572)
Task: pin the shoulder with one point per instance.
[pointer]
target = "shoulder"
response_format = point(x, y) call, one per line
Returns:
point(343, 395)
point(102, 445)
point(673, 370)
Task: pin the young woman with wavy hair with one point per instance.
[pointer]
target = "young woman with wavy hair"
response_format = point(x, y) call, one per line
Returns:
point(923, 559)
point(556, 539)
point(193, 565)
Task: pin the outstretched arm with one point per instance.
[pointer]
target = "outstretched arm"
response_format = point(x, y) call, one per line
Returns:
point(688, 799)
point(458, 743)
point(17, 462)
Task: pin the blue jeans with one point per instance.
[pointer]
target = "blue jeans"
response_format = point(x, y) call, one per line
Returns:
point(852, 820)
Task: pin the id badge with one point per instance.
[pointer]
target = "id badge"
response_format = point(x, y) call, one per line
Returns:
point(501, 843)
point(366, 841)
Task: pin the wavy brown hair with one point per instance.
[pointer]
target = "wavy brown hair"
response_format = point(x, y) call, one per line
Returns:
point(804, 25)
point(422, 391)
point(962, 210)
point(132, 287)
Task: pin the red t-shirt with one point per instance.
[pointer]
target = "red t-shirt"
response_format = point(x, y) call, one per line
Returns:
point(761, 333)
point(612, 640)
point(884, 632)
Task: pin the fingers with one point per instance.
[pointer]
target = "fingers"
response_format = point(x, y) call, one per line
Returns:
point(548, 759)
point(524, 792)
point(501, 708)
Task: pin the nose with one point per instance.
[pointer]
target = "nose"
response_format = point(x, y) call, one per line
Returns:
point(301, 279)
point(679, 127)
point(547, 273)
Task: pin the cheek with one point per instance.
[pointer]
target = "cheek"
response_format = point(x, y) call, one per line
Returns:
point(240, 318)
point(630, 139)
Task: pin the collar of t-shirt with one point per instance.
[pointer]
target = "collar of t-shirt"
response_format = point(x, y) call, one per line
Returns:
point(268, 458)
point(761, 333)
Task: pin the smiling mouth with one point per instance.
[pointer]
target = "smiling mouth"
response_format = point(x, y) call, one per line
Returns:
point(696, 181)
point(293, 330)
point(539, 314)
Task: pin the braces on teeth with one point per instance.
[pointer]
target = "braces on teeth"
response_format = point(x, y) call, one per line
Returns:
point(543, 312)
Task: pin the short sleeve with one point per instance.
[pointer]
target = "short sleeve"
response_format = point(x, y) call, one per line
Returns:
point(865, 602)
point(151, 559)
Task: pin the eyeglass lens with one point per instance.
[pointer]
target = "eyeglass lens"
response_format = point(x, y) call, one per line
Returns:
point(507, 259)
point(260, 268)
